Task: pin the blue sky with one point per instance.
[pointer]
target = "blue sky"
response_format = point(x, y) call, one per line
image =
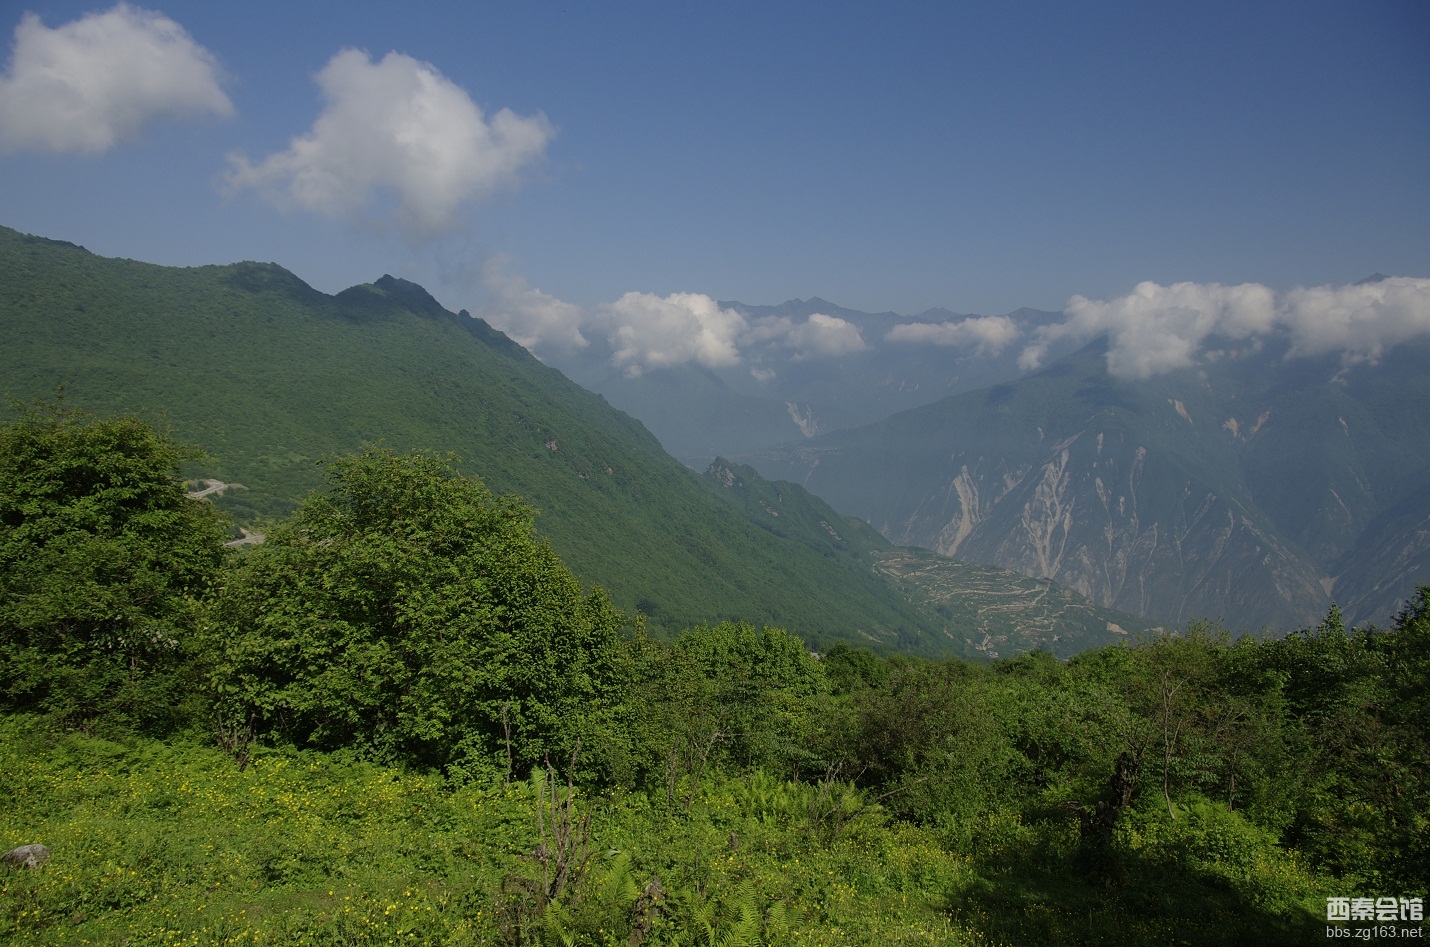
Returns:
point(978, 157)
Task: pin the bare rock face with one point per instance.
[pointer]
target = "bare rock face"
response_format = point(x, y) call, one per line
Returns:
point(26, 856)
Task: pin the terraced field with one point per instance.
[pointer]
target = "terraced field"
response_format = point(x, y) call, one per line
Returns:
point(1002, 614)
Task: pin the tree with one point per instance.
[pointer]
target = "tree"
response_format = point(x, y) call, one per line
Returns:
point(732, 694)
point(1407, 856)
point(413, 615)
point(102, 560)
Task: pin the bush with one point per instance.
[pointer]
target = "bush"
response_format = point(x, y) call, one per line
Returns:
point(414, 616)
point(102, 559)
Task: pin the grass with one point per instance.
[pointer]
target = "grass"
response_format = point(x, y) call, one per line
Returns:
point(173, 844)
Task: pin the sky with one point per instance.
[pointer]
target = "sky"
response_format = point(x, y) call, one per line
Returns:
point(574, 171)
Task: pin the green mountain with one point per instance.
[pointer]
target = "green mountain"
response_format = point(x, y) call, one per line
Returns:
point(1256, 489)
point(268, 376)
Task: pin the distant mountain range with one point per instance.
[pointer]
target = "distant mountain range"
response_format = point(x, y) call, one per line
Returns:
point(773, 397)
point(268, 376)
point(1256, 489)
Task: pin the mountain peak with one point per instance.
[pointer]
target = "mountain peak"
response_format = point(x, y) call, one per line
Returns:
point(410, 294)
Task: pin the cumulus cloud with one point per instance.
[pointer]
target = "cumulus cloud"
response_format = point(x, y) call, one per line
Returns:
point(1359, 321)
point(97, 81)
point(822, 336)
point(987, 335)
point(646, 331)
point(528, 315)
point(818, 336)
point(1157, 329)
point(396, 126)
point(649, 331)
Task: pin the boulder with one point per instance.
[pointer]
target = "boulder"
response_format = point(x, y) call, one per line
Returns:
point(26, 856)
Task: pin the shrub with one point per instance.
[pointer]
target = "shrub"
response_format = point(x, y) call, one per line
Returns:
point(102, 559)
point(413, 615)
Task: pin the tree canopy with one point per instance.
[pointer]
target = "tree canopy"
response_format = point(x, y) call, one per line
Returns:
point(102, 559)
point(412, 614)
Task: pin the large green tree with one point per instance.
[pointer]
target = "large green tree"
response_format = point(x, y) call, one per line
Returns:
point(752, 697)
point(102, 560)
point(411, 614)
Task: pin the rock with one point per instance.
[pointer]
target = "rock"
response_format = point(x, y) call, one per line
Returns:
point(26, 856)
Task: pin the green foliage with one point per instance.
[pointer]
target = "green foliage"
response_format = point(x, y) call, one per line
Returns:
point(1217, 842)
point(1168, 791)
point(973, 818)
point(102, 558)
point(1362, 776)
point(937, 735)
point(760, 692)
point(853, 669)
point(415, 616)
point(165, 844)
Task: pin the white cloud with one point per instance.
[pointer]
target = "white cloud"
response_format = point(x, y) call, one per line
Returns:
point(97, 81)
point(528, 315)
point(988, 335)
point(396, 125)
point(1157, 329)
point(1360, 321)
point(822, 336)
point(1153, 329)
point(819, 336)
point(649, 331)
point(646, 331)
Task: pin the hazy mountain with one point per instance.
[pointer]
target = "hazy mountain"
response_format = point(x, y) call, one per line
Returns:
point(1254, 488)
point(776, 394)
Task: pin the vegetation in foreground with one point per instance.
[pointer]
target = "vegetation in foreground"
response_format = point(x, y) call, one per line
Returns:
point(401, 720)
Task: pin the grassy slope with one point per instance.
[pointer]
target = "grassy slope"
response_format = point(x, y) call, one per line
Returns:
point(268, 375)
point(174, 845)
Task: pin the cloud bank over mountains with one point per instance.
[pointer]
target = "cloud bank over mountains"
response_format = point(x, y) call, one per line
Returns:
point(1156, 329)
point(532, 318)
point(646, 331)
point(1152, 330)
point(396, 125)
point(987, 335)
point(100, 80)
point(1359, 321)
point(650, 331)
